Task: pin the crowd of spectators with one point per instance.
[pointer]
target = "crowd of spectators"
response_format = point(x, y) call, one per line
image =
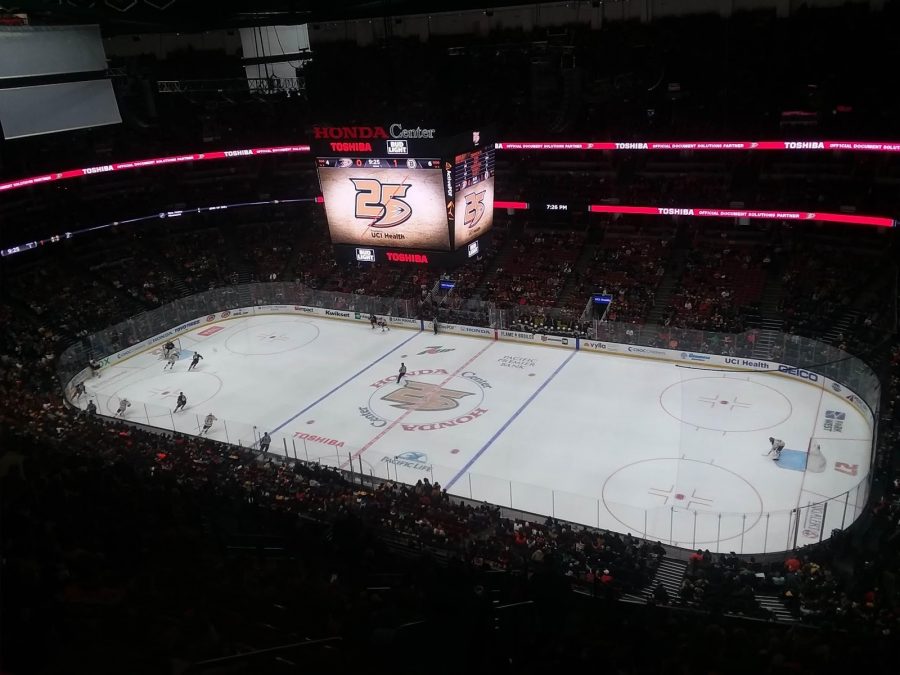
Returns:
point(717, 287)
point(535, 268)
point(125, 550)
point(84, 495)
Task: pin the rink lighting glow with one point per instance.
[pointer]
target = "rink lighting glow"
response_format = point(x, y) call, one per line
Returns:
point(151, 162)
point(876, 221)
point(793, 146)
point(676, 146)
point(695, 212)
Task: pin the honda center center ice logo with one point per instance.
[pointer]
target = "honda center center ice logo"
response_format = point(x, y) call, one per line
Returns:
point(426, 400)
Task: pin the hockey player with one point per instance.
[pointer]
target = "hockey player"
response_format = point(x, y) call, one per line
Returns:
point(195, 359)
point(91, 408)
point(182, 401)
point(171, 358)
point(777, 446)
point(124, 404)
point(168, 348)
point(207, 423)
point(265, 441)
point(79, 390)
point(402, 372)
point(373, 320)
point(434, 324)
point(382, 322)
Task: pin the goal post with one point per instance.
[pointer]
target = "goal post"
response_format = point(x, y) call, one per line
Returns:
point(160, 351)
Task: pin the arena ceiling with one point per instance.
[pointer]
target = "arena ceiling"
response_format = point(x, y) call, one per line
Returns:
point(136, 16)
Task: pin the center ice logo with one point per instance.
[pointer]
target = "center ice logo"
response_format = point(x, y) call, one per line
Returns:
point(423, 396)
point(381, 202)
point(426, 400)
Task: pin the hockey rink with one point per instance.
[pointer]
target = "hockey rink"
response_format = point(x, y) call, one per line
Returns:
point(666, 451)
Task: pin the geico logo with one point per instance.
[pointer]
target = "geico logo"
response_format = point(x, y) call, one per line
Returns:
point(798, 372)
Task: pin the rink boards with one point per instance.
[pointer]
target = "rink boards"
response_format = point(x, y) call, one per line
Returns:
point(488, 457)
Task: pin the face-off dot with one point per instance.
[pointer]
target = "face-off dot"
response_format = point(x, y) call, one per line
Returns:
point(454, 451)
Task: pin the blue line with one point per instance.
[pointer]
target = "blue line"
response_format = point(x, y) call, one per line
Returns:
point(341, 385)
point(508, 422)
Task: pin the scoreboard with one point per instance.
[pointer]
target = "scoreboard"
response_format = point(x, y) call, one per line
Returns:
point(473, 184)
point(405, 195)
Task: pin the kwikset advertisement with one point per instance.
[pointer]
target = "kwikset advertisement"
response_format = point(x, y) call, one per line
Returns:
point(402, 206)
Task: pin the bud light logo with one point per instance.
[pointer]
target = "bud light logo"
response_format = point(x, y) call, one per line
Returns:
point(798, 372)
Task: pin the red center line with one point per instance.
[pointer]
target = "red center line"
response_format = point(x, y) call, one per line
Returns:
point(424, 400)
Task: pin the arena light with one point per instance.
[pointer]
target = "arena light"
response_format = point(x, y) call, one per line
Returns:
point(792, 146)
point(151, 162)
point(814, 216)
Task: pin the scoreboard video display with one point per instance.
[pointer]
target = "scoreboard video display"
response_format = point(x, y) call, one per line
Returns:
point(473, 185)
point(405, 195)
point(378, 201)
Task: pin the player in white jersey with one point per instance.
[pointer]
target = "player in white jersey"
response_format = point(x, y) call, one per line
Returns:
point(777, 445)
point(207, 423)
point(124, 404)
point(170, 360)
point(382, 322)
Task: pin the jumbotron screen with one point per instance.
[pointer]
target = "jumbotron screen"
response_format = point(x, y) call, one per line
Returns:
point(396, 202)
point(473, 186)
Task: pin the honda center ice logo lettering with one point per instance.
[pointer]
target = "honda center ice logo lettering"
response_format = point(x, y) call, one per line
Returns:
point(381, 203)
point(426, 400)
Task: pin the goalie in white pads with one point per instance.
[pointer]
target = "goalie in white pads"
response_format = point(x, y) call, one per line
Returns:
point(777, 445)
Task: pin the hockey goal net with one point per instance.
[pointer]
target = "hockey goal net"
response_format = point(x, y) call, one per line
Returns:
point(815, 460)
point(160, 351)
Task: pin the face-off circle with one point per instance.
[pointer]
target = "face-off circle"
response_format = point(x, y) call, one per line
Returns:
point(274, 337)
point(160, 392)
point(643, 494)
point(726, 404)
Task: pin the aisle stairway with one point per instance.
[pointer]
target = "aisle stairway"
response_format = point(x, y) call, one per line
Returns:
point(670, 574)
point(773, 604)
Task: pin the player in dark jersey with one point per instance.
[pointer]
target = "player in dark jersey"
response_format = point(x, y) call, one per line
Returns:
point(195, 360)
point(182, 401)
